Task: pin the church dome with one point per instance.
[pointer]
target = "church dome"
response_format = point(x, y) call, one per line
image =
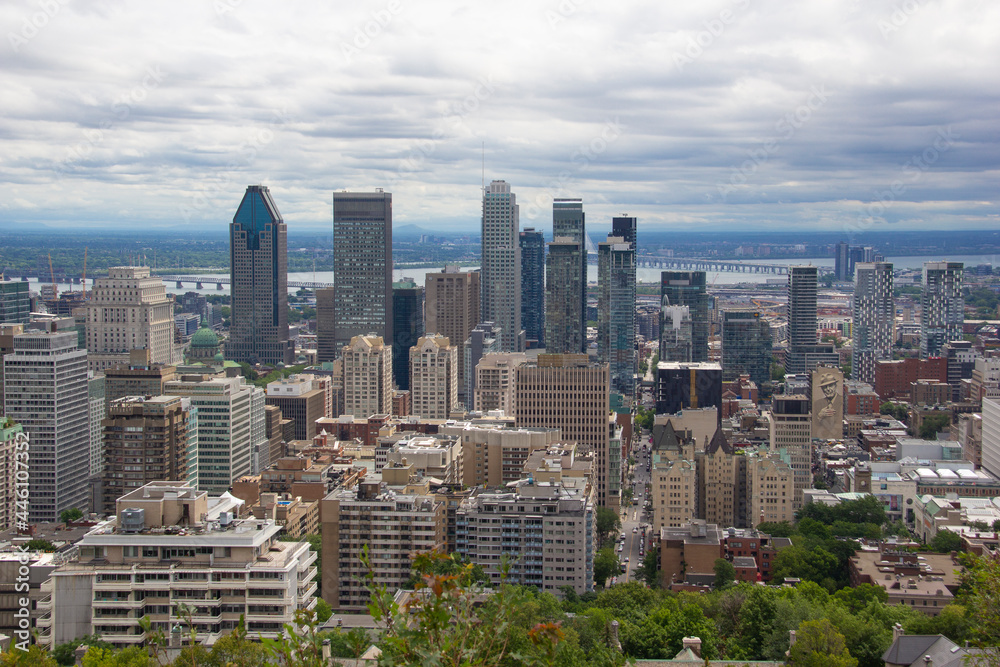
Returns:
point(204, 338)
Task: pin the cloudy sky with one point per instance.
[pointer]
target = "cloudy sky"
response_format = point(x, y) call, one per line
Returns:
point(748, 114)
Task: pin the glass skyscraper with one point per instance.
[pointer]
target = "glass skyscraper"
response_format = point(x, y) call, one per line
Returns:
point(533, 286)
point(687, 288)
point(259, 282)
point(407, 327)
point(569, 224)
point(616, 312)
point(746, 346)
point(500, 300)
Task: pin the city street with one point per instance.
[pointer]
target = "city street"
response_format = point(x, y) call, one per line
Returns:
point(634, 516)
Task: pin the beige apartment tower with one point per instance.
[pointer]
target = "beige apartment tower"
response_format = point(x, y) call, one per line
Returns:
point(568, 392)
point(367, 364)
point(129, 310)
point(451, 308)
point(433, 377)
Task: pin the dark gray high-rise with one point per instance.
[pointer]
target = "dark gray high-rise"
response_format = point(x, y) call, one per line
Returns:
point(569, 223)
point(533, 286)
point(362, 265)
point(258, 274)
point(563, 314)
point(407, 327)
point(687, 288)
point(624, 228)
point(746, 346)
point(804, 352)
point(616, 312)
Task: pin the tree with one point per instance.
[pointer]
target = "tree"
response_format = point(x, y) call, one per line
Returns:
point(65, 653)
point(777, 529)
point(946, 541)
point(608, 523)
point(70, 515)
point(818, 644)
point(35, 656)
point(644, 418)
point(932, 425)
point(649, 571)
point(133, 656)
point(777, 372)
point(980, 579)
point(235, 650)
point(605, 565)
point(38, 544)
point(323, 611)
point(725, 574)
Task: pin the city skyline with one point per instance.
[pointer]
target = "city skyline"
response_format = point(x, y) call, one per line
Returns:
point(833, 117)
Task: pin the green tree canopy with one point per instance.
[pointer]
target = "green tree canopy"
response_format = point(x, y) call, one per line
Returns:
point(725, 573)
point(818, 644)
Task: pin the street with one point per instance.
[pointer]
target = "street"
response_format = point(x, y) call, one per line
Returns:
point(634, 516)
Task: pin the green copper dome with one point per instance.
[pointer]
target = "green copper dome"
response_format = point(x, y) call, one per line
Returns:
point(204, 338)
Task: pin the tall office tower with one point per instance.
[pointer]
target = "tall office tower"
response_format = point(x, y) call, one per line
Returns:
point(790, 431)
point(367, 363)
point(45, 390)
point(228, 414)
point(326, 336)
point(746, 346)
point(7, 333)
point(568, 392)
point(145, 440)
point(362, 265)
point(15, 302)
point(624, 227)
point(565, 320)
point(407, 327)
point(451, 308)
point(98, 410)
point(533, 286)
point(804, 353)
point(942, 306)
point(687, 288)
point(990, 448)
point(434, 377)
point(501, 265)
point(569, 221)
point(258, 255)
point(129, 310)
point(859, 254)
point(874, 317)
point(675, 334)
point(842, 262)
point(483, 340)
point(616, 312)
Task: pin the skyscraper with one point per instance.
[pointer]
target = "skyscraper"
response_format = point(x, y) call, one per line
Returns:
point(129, 310)
point(804, 353)
point(564, 317)
point(942, 306)
point(407, 327)
point(616, 312)
point(501, 265)
point(367, 367)
point(452, 309)
point(533, 286)
point(258, 256)
point(15, 302)
point(362, 265)
point(569, 221)
point(746, 346)
point(675, 333)
point(874, 316)
point(842, 262)
point(625, 228)
point(687, 288)
point(45, 390)
point(326, 335)
point(434, 377)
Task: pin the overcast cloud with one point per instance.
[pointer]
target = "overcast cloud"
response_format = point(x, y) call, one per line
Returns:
point(749, 114)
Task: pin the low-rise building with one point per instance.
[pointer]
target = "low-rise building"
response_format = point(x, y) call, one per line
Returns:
point(171, 544)
point(926, 582)
point(688, 553)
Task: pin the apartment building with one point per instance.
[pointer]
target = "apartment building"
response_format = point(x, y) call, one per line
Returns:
point(171, 544)
point(789, 425)
point(367, 367)
point(770, 489)
point(494, 387)
point(433, 377)
point(300, 399)
point(494, 455)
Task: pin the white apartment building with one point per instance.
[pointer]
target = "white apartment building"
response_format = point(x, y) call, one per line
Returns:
point(171, 544)
point(433, 377)
point(545, 528)
point(367, 368)
point(129, 310)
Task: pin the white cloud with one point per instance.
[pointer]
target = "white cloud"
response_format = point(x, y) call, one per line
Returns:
point(162, 113)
